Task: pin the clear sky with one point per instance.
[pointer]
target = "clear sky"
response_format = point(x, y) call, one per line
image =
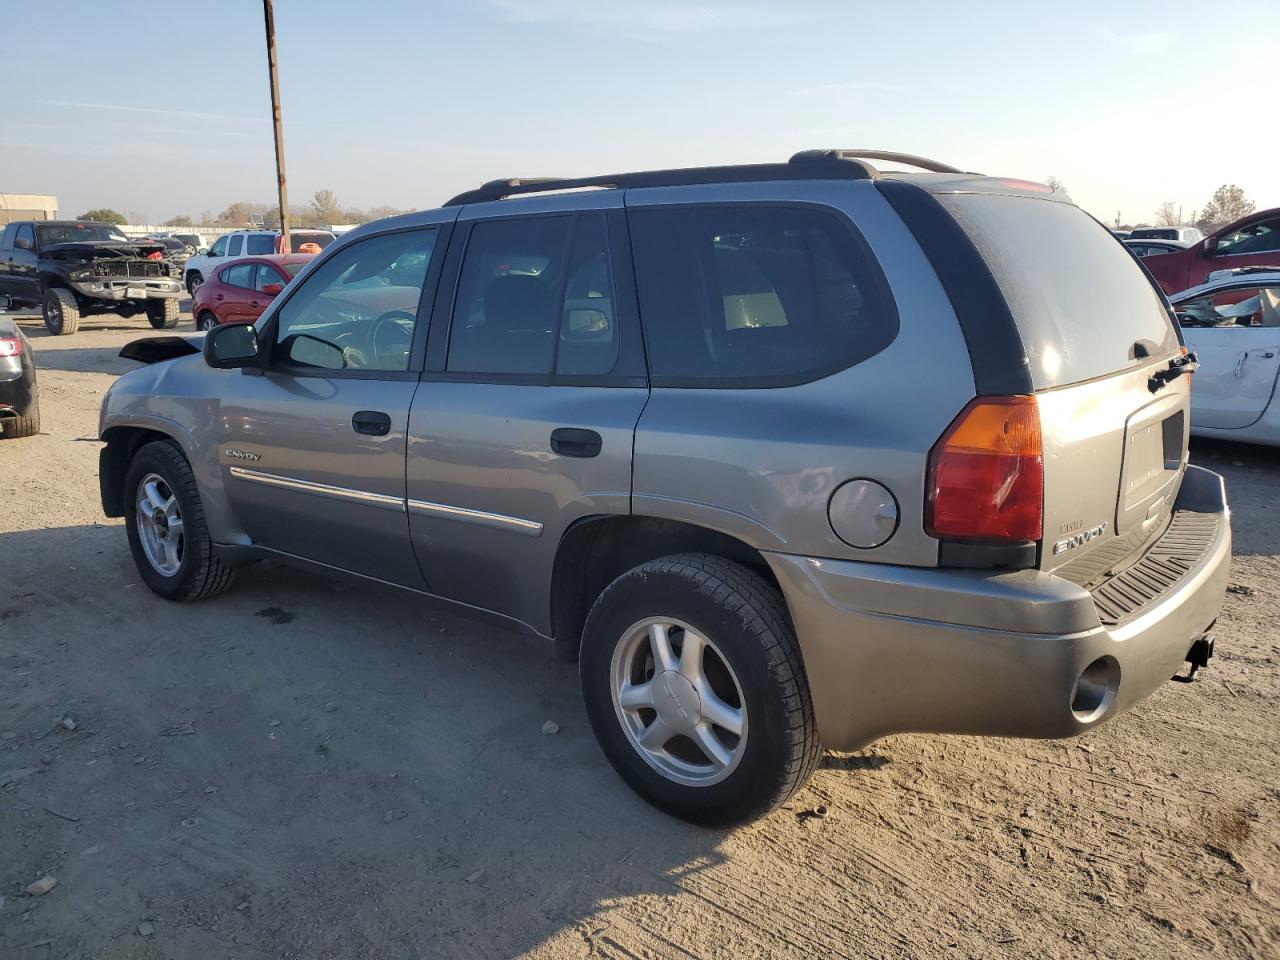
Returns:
point(164, 108)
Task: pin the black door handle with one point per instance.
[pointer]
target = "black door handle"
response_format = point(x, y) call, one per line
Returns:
point(372, 422)
point(575, 442)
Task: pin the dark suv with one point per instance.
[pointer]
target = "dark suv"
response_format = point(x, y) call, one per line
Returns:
point(78, 268)
point(789, 454)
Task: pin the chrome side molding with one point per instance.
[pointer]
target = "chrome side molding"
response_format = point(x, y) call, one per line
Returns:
point(530, 528)
point(319, 489)
point(499, 521)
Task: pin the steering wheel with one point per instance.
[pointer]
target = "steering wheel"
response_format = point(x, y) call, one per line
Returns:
point(400, 336)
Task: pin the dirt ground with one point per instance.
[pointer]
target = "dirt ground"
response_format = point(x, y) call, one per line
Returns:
point(301, 769)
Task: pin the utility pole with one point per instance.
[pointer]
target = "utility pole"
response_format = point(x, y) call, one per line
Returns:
point(282, 190)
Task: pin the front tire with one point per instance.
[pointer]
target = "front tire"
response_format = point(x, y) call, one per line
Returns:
point(162, 314)
point(194, 279)
point(167, 532)
point(696, 691)
point(61, 312)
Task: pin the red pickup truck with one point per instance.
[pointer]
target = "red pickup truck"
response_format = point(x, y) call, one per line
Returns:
point(1253, 241)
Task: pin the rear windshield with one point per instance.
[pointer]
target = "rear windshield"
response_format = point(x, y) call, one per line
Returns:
point(1080, 300)
point(291, 268)
point(296, 240)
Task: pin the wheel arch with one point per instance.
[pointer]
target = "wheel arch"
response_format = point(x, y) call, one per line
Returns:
point(595, 550)
point(120, 445)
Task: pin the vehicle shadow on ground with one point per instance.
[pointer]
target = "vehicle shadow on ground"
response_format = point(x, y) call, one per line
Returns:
point(83, 360)
point(301, 762)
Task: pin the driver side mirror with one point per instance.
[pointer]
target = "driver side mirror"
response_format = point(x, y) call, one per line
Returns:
point(271, 289)
point(1210, 246)
point(202, 251)
point(231, 345)
point(22, 243)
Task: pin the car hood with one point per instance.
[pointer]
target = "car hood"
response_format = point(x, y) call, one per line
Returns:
point(101, 249)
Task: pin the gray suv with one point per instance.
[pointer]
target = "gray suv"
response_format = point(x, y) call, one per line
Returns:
point(787, 455)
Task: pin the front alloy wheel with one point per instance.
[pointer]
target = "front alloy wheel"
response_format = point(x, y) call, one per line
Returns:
point(160, 527)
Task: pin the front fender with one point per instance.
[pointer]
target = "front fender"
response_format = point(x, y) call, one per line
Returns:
point(178, 400)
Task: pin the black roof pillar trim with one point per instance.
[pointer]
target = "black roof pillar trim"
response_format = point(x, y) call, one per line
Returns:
point(996, 350)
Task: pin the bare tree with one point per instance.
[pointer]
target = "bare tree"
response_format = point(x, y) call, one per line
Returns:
point(1167, 214)
point(1227, 205)
point(1057, 186)
point(324, 207)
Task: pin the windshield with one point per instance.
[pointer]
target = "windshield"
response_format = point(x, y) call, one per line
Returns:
point(80, 232)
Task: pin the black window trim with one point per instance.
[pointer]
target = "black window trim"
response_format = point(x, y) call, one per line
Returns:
point(422, 322)
point(842, 221)
point(629, 369)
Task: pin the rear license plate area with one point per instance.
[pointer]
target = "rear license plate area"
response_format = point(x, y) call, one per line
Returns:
point(1152, 462)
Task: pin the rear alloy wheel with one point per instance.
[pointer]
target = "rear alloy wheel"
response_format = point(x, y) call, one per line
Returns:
point(167, 532)
point(163, 314)
point(695, 688)
point(61, 312)
point(206, 321)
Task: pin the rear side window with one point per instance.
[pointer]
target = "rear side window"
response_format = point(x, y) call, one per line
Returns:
point(1080, 302)
point(256, 244)
point(756, 295)
point(239, 275)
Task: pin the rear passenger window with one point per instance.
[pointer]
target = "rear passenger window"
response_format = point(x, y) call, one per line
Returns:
point(535, 294)
point(256, 244)
point(240, 275)
point(741, 296)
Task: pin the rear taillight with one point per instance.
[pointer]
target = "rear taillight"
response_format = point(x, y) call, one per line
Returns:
point(986, 473)
point(10, 347)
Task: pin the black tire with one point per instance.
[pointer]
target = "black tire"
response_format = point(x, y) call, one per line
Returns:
point(163, 314)
point(27, 426)
point(194, 279)
point(61, 312)
point(201, 574)
point(206, 321)
point(746, 618)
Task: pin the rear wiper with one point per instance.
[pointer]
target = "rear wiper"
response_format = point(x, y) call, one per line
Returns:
point(1185, 363)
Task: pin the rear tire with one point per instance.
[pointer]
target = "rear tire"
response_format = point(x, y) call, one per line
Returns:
point(27, 426)
point(163, 499)
point(758, 685)
point(61, 312)
point(194, 279)
point(163, 314)
point(206, 321)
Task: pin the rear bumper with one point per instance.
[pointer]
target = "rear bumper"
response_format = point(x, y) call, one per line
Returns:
point(897, 649)
point(17, 395)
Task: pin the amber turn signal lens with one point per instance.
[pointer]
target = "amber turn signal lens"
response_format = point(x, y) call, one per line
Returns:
point(986, 473)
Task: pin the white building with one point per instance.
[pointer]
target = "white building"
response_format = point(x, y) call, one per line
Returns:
point(27, 206)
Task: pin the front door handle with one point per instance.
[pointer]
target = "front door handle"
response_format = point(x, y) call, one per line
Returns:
point(575, 442)
point(373, 422)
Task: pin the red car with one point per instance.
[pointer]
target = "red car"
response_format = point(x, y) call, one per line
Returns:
point(1253, 241)
point(242, 289)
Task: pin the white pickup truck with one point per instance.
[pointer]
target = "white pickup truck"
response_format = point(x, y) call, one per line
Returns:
point(249, 243)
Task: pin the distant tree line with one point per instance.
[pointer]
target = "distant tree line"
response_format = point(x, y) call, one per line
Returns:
point(1227, 205)
point(323, 210)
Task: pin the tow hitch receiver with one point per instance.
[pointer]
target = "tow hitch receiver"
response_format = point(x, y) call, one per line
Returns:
point(1198, 656)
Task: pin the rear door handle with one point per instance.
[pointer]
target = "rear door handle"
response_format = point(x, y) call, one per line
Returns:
point(373, 422)
point(575, 442)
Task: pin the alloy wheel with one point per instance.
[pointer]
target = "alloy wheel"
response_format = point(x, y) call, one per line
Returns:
point(160, 527)
point(679, 702)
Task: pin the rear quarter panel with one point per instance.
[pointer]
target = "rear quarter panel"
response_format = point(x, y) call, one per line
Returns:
point(762, 464)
